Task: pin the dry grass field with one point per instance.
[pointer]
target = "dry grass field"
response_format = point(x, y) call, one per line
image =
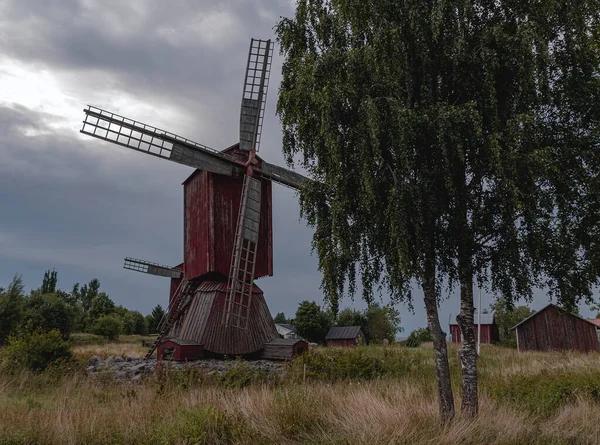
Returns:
point(372, 395)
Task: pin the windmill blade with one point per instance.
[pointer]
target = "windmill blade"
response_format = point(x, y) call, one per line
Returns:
point(151, 268)
point(243, 259)
point(254, 97)
point(144, 138)
point(282, 175)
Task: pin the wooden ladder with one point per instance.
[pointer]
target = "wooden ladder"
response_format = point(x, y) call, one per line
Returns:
point(186, 288)
point(243, 260)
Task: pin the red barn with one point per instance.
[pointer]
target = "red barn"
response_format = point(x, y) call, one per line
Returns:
point(489, 329)
point(345, 336)
point(554, 329)
point(211, 206)
point(284, 348)
point(180, 350)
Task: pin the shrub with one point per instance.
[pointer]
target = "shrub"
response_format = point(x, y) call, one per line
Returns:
point(35, 351)
point(48, 312)
point(363, 363)
point(418, 336)
point(202, 425)
point(241, 375)
point(108, 326)
point(547, 392)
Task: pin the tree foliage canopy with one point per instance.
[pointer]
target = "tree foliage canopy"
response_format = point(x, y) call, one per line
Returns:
point(377, 323)
point(506, 317)
point(467, 129)
point(311, 322)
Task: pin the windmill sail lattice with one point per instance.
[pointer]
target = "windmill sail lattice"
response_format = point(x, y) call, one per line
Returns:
point(152, 268)
point(254, 96)
point(147, 139)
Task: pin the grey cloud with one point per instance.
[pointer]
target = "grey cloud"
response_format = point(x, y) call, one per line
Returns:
point(81, 205)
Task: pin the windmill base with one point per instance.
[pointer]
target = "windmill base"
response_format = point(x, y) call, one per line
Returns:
point(203, 318)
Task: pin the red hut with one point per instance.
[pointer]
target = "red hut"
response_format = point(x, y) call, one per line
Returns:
point(284, 348)
point(489, 329)
point(554, 329)
point(179, 350)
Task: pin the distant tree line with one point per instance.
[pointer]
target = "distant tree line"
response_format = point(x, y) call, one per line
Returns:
point(85, 309)
point(312, 322)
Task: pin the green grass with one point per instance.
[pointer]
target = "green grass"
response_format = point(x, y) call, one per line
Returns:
point(368, 395)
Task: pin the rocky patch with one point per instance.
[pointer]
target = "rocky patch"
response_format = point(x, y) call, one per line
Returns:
point(134, 368)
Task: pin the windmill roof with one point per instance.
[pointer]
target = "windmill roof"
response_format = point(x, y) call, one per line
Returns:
point(231, 148)
point(485, 319)
point(221, 286)
point(342, 332)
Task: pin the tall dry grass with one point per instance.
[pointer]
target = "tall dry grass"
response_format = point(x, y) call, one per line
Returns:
point(86, 345)
point(383, 410)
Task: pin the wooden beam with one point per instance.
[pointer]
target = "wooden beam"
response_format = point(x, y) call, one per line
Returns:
point(201, 160)
point(283, 175)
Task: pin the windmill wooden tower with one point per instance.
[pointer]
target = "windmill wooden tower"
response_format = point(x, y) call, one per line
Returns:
point(227, 223)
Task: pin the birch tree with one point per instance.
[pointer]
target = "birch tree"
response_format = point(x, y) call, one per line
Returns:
point(449, 140)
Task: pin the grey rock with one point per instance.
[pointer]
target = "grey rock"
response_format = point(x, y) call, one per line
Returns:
point(94, 361)
point(118, 359)
point(139, 368)
point(129, 358)
point(120, 375)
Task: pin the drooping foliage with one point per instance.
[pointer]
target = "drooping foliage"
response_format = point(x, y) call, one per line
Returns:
point(448, 140)
point(481, 117)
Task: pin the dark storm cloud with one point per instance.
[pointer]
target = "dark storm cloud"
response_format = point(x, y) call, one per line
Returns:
point(80, 205)
point(188, 53)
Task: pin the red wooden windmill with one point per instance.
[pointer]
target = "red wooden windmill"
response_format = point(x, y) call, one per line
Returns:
point(227, 223)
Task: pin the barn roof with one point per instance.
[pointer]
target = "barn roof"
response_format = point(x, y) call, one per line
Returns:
point(596, 321)
point(485, 319)
point(342, 332)
point(287, 326)
point(547, 307)
point(285, 341)
point(181, 342)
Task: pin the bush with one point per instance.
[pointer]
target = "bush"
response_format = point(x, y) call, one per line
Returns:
point(48, 312)
point(418, 336)
point(108, 326)
point(544, 394)
point(361, 363)
point(202, 425)
point(241, 375)
point(35, 351)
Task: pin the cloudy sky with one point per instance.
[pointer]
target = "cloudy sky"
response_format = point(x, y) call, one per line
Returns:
point(79, 205)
